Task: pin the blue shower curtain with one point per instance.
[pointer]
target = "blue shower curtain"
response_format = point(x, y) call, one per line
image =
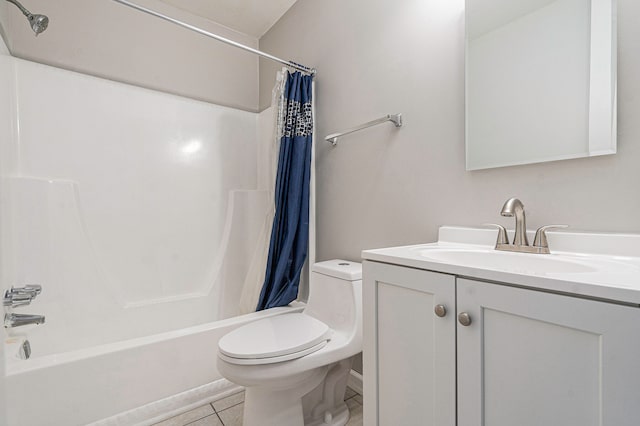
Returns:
point(290, 232)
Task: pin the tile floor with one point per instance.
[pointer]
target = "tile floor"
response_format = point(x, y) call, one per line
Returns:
point(228, 412)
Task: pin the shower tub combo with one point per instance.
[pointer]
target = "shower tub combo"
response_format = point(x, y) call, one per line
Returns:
point(138, 214)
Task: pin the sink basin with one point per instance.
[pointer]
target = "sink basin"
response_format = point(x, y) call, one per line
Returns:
point(522, 263)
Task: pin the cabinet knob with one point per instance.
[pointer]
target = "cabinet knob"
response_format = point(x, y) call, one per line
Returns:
point(464, 319)
point(440, 310)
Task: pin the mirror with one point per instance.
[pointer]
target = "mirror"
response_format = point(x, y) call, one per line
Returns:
point(540, 81)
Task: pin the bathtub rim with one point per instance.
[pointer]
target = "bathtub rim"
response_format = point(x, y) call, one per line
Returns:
point(15, 365)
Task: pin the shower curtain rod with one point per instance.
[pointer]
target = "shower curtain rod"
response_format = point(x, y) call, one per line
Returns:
point(291, 64)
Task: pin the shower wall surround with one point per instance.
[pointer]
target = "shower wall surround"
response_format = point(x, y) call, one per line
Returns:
point(6, 114)
point(384, 187)
point(136, 210)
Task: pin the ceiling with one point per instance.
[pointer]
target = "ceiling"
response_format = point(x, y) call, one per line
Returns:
point(251, 17)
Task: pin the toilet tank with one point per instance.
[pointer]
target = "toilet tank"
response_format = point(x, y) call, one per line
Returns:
point(335, 293)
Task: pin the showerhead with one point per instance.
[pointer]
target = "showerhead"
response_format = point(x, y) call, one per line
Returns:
point(38, 23)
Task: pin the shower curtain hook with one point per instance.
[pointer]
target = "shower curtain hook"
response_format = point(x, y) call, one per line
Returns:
point(299, 67)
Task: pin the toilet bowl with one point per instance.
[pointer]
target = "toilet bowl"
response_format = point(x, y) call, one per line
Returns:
point(295, 366)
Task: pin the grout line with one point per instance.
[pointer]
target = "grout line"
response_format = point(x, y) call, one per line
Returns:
point(197, 420)
point(219, 418)
point(231, 406)
point(352, 398)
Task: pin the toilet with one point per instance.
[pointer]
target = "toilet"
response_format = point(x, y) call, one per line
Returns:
point(295, 366)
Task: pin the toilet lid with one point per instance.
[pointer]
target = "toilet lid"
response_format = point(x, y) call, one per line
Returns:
point(275, 336)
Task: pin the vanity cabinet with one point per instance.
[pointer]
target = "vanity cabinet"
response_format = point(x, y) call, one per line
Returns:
point(527, 357)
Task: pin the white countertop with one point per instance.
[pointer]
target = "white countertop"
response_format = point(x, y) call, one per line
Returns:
point(603, 266)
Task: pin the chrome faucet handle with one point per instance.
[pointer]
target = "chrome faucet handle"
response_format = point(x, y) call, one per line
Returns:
point(502, 233)
point(13, 300)
point(540, 239)
point(32, 289)
point(21, 296)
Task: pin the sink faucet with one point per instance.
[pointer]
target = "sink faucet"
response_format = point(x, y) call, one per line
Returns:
point(17, 320)
point(514, 207)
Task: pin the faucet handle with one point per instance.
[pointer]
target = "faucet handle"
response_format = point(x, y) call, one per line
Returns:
point(540, 239)
point(21, 296)
point(502, 233)
point(13, 299)
point(31, 289)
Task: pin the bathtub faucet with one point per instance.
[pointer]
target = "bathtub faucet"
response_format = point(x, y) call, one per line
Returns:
point(17, 320)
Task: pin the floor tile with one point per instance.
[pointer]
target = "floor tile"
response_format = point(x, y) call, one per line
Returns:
point(232, 416)
point(211, 420)
point(355, 410)
point(350, 393)
point(352, 403)
point(187, 417)
point(229, 401)
point(230, 411)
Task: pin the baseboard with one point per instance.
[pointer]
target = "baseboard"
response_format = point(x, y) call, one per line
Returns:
point(165, 408)
point(355, 381)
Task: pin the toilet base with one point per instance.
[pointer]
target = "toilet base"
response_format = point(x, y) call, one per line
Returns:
point(280, 403)
point(290, 413)
point(312, 398)
point(339, 417)
point(325, 404)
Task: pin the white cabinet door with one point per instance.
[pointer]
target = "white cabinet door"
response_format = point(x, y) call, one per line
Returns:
point(409, 351)
point(530, 358)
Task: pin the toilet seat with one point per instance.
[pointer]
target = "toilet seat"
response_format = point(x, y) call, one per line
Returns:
point(272, 360)
point(274, 339)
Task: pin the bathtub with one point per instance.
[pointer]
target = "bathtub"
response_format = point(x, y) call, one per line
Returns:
point(134, 382)
point(105, 355)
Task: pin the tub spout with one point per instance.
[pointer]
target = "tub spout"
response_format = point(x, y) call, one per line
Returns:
point(17, 320)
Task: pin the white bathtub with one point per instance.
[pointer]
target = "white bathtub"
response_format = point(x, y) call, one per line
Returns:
point(101, 358)
point(135, 382)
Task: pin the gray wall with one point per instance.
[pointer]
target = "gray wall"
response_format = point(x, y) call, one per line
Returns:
point(386, 187)
point(106, 39)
